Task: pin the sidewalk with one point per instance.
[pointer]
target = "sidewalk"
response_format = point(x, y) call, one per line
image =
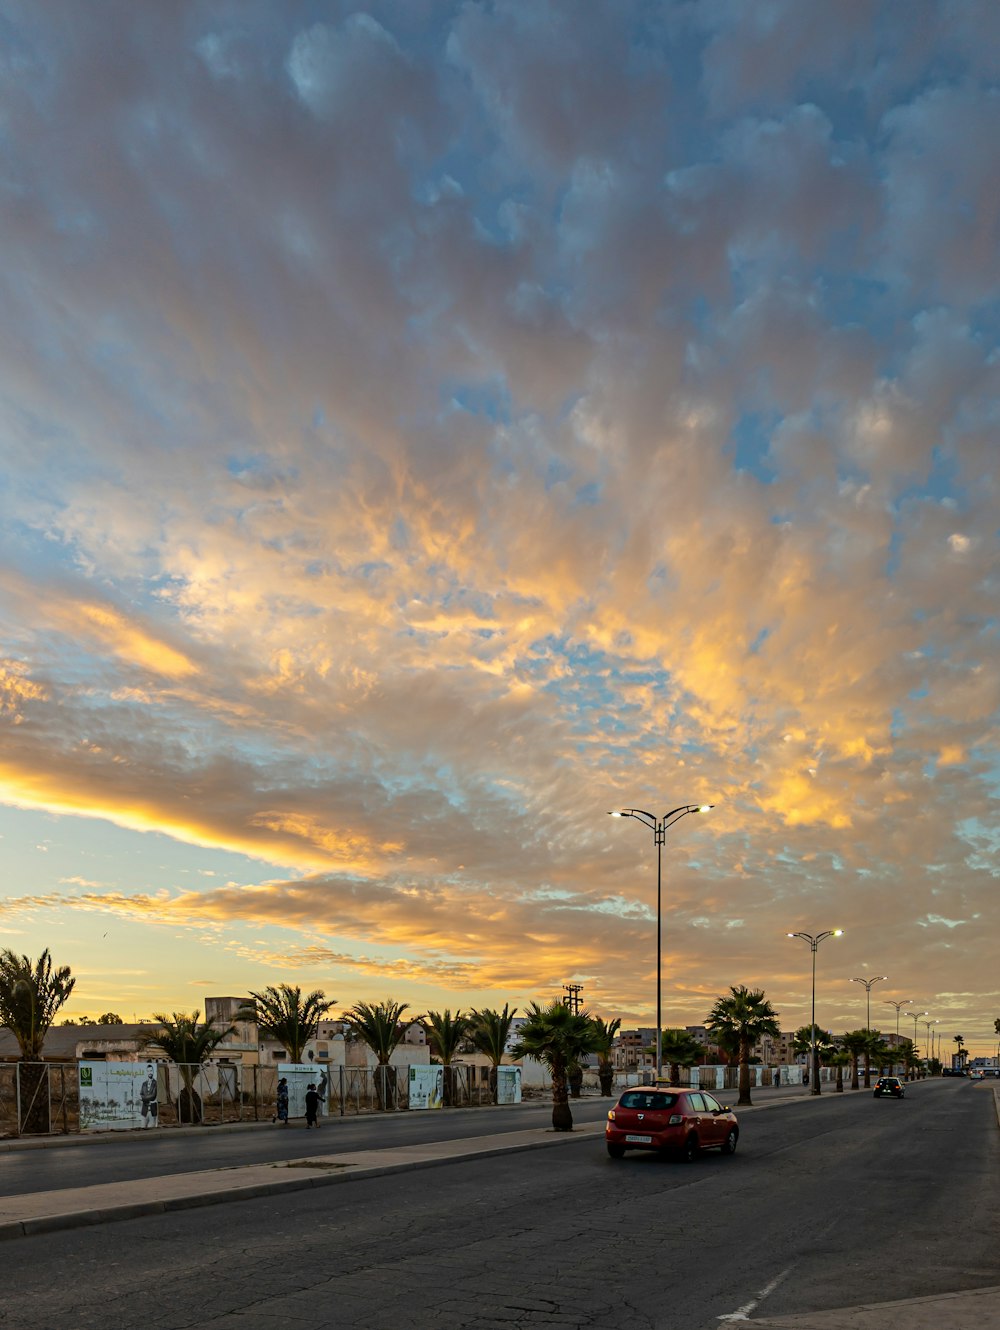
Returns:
point(975, 1310)
point(76, 1207)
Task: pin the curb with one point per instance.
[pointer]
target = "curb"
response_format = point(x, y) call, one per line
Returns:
point(71, 1140)
point(335, 1170)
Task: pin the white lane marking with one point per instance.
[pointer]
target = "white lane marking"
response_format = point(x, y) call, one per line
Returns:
point(743, 1313)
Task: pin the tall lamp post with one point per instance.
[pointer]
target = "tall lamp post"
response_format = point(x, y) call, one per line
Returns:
point(868, 1022)
point(814, 945)
point(916, 1017)
point(930, 1040)
point(868, 990)
point(899, 1007)
point(659, 827)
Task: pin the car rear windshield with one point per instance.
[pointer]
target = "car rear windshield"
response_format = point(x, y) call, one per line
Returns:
point(643, 1099)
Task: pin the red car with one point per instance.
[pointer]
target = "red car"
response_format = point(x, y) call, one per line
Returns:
point(655, 1117)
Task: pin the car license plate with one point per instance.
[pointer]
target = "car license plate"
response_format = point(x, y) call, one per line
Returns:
point(640, 1140)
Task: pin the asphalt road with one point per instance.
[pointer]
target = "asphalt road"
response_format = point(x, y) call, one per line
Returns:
point(115, 1158)
point(827, 1202)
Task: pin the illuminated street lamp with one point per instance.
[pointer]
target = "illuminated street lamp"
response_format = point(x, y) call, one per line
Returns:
point(916, 1017)
point(660, 827)
point(930, 1042)
point(814, 944)
point(868, 989)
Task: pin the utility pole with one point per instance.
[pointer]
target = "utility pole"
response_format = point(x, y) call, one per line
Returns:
point(572, 998)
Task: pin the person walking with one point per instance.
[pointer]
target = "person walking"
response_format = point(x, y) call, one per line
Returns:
point(281, 1106)
point(312, 1108)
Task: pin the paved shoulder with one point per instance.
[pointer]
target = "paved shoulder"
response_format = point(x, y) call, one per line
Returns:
point(979, 1307)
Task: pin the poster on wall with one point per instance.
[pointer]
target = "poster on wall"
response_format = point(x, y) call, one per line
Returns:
point(508, 1085)
point(426, 1087)
point(118, 1096)
point(299, 1077)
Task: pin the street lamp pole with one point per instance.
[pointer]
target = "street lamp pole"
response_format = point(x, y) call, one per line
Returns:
point(930, 1041)
point(814, 945)
point(868, 1021)
point(659, 827)
point(899, 1007)
point(916, 1017)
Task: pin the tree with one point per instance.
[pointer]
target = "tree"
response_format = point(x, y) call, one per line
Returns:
point(802, 1043)
point(283, 1014)
point(377, 1024)
point(446, 1032)
point(840, 1059)
point(188, 1044)
point(854, 1042)
point(489, 1031)
point(110, 1018)
point(962, 1054)
point(605, 1032)
point(883, 1055)
point(874, 1047)
point(31, 993)
point(558, 1037)
point(907, 1053)
point(745, 1016)
point(679, 1049)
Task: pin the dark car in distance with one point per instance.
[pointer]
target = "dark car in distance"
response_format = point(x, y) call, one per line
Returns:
point(671, 1121)
point(889, 1085)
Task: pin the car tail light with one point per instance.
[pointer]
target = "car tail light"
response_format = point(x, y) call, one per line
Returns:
point(675, 1119)
point(611, 1115)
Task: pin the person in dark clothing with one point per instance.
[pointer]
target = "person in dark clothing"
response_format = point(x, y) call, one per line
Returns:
point(281, 1108)
point(312, 1107)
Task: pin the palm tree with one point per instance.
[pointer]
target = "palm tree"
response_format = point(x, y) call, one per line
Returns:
point(446, 1032)
point(189, 1045)
point(558, 1037)
point(875, 1045)
point(840, 1059)
point(283, 1014)
point(605, 1032)
point(680, 1049)
point(962, 1055)
point(802, 1042)
point(377, 1024)
point(908, 1057)
point(854, 1042)
point(745, 1016)
point(489, 1031)
point(31, 993)
point(883, 1055)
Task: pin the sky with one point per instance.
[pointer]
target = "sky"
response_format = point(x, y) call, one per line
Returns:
point(427, 427)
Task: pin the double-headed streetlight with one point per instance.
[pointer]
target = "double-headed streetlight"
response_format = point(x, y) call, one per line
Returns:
point(916, 1017)
point(659, 827)
point(899, 1007)
point(930, 1041)
point(868, 1020)
point(814, 945)
point(868, 989)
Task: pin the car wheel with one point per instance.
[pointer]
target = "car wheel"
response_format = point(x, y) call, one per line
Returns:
point(690, 1149)
point(616, 1151)
point(729, 1144)
point(877, 1094)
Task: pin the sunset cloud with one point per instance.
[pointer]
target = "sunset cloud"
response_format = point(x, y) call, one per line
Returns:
point(424, 432)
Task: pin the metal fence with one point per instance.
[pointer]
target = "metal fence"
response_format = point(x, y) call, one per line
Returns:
point(44, 1098)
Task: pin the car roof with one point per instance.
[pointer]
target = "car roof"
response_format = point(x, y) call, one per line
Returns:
point(659, 1089)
